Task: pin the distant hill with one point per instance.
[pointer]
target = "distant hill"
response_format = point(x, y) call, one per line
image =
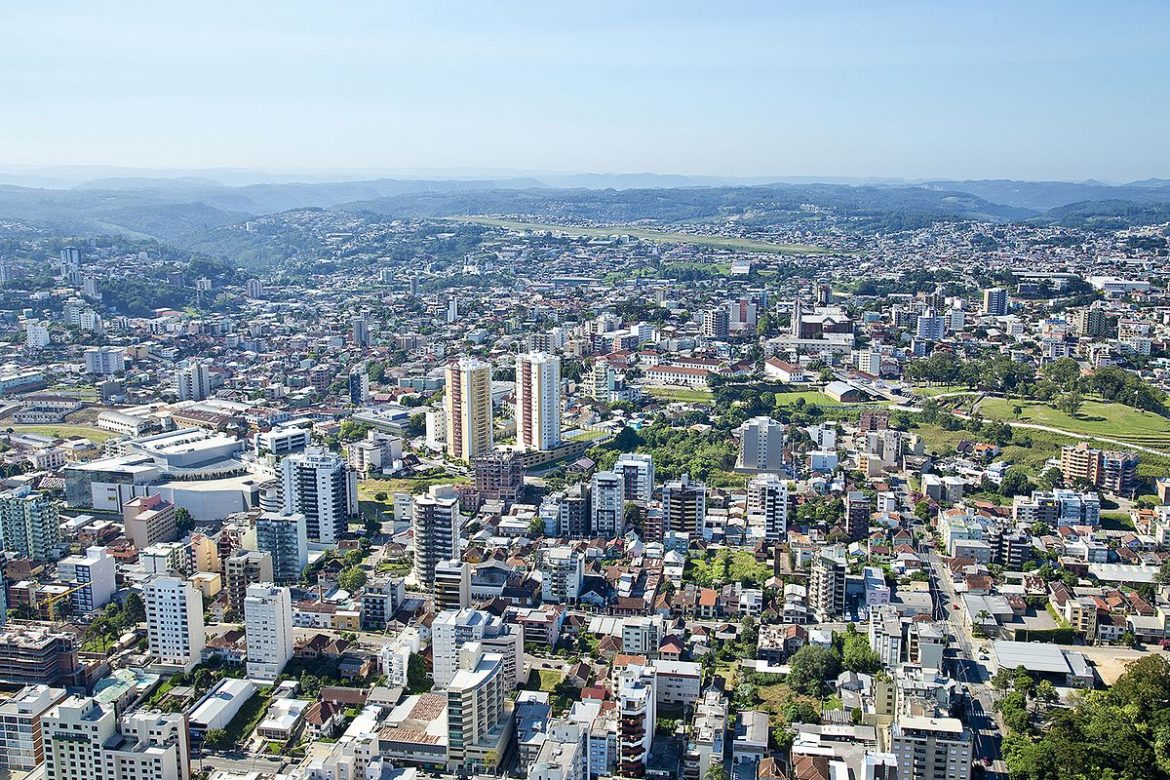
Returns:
point(1112, 214)
point(1045, 195)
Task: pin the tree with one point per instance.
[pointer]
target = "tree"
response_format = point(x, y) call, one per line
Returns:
point(418, 679)
point(811, 668)
point(536, 527)
point(183, 520)
point(857, 655)
point(716, 770)
point(217, 739)
point(1069, 403)
point(351, 579)
point(1015, 483)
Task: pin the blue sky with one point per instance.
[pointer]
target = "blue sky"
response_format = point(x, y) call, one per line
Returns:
point(1056, 90)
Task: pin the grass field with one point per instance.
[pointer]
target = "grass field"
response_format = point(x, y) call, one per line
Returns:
point(588, 435)
point(1095, 418)
point(368, 488)
point(543, 680)
point(684, 394)
point(809, 396)
point(717, 242)
point(64, 431)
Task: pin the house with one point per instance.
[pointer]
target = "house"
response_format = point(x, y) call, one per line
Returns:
point(323, 719)
point(789, 373)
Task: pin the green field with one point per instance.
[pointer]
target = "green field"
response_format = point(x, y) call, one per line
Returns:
point(930, 392)
point(717, 242)
point(588, 435)
point(1044, 445)
point(684, 394)
point(809, 396)
point(368, 488)
point(1095, 418)
point(65, 431)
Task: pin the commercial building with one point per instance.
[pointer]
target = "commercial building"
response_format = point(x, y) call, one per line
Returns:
point(149, 519)
point(29, 524)
point(21, 744)
point(85, 741)
point(468, 406)
point(767, 504)
point(761, 445)
point(319, 485)
point(285, 537)
point(538, 401)
point(436, 524)
point(174, 622)
point(268, 630)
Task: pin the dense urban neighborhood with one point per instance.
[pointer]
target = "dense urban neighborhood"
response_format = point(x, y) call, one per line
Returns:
point(338, 494)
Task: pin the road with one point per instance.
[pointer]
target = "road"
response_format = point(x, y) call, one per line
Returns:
point(986, 731)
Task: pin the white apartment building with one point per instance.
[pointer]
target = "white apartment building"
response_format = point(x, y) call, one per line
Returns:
point(562, 571)
point(538, 400)
point(174, 622)
point(105, 361)
point(318, 484)
point(637, 473)
point(767, 504)
point(21, 743)
point(452, 629)
point(762, 445)
point(931, 748)
point(94, 574)
point(268, 629)
point(193, 380)
point(607, 509)
point(85, 741)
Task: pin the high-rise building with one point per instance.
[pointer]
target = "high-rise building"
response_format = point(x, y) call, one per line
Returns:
point(174, 622)
point(761, 445)
point(359, 386)
point(320, 485)
point(22, 747)
point(30, 525)
point(452, 629)
point(268, 630)
point(538, 400)
point(1092, 322)
point(254, 288)
point(241, 569)
point(931, 748)
point(995, 302)
point(684, 506)
point(381, 598)
point(637, 473)
point(797, 319)
point(1113, 471)
point(562, 572)
point(716, 322)
point(931, 326)
point(360, 332)
point(93, 576)
point(826, 590)
point(468, 405)
point(767, 502)
point(858, 509)
point(636, 700)
point(476, 710)
point(36, 653)
point(286, 539)
point(436, 524)
point(452, 585)
point(193, 380)
point(499, 476)
point(606, 505)
point(70, 261)
point(84, 741)
point(105, 361)
point(149, 520)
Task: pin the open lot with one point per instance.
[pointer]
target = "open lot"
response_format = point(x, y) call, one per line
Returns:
point(65, 431)
point(1095, 418)
point(683, 394)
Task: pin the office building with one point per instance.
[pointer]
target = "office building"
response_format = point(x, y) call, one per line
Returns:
point(995, 302)
point(468, 406)
point(84, 741)
point(767, 504)
point(105, 361)
point(436, 524)
point(29, 524)
point(684, 506)
point(636, 705)
point(286, 539)
point(148, 520)
point(452, 585)
point(931, 748)
point(22, 747)
point(452, 629)
point(174, 622)
point(268, 630)
point(826, 590)
point(606, 505)
point(241, 569)
point(320, 485)
point(761, 445)
point(478, 720)
point(562, 571)
point(93, 577)
point(538, 401)
point(637, 473)
point(193, 380)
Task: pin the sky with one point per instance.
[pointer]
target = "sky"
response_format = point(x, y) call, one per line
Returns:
point(1055, 90)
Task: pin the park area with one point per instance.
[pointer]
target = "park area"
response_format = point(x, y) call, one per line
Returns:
point(1094, 418)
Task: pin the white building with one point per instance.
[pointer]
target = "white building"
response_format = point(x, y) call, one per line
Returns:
point(104, 361)
point(319, 485)
point(767, 504)
point(193, 380)
point(452, 629)
point(607, 508)
point(268, 630)
point(562, 571)
point(538, 400)
point(21, 743)
point(762, 445)
point(637, 473)
point(174, 622)
point(637, 708)
point(468, 406)
point(931, 748)
point(477, 717)
point(85, 741)
point(94, 573)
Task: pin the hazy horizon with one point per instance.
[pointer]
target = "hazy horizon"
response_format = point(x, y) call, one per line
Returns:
point(910, 91)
